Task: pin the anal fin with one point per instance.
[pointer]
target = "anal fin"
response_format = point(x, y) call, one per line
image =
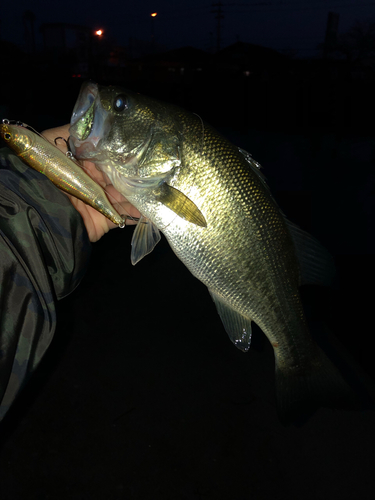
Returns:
point(237, 326)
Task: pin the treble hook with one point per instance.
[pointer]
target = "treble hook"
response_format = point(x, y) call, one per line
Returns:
point(66, 142)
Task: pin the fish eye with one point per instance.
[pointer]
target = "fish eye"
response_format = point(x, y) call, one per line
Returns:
point(120, 103)
point(7, 136)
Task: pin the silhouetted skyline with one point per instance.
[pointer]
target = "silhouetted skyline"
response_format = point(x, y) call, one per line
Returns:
point(297, 26)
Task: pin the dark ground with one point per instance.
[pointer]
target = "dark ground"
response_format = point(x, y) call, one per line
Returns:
point(142, 395)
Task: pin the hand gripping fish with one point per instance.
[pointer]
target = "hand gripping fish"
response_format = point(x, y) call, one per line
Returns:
point(65, 173)
point(211, 202)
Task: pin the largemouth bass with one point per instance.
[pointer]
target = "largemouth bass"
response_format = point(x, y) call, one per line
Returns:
point(66, 174)
point(211, 202)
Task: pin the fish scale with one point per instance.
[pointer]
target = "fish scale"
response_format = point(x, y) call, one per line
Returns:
point(211, 202)
point(242, 279)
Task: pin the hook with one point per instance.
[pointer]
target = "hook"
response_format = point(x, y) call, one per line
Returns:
point(69, 153)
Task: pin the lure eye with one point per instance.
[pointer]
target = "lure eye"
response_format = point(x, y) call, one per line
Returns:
point(120, 103)
point(7, 136)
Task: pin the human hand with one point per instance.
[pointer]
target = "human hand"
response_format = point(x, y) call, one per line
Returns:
point(96, 223)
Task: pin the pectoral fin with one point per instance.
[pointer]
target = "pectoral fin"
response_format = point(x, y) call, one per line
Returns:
point(145, 237)
point(180, 204)
point(237, 326)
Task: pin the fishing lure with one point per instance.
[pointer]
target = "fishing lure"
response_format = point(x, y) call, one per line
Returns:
point(37, 152)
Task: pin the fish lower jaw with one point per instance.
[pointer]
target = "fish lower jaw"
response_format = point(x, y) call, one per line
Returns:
point(82, 150)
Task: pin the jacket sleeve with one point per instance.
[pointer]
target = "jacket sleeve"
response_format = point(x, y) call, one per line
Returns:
point(44, 252)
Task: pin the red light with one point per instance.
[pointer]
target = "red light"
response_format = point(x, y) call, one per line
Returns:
point(154, 14)
point(99, 32)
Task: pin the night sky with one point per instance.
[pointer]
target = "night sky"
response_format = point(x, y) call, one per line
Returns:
point(295, 26)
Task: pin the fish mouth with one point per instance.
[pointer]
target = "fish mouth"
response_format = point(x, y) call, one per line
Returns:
point(89, 122)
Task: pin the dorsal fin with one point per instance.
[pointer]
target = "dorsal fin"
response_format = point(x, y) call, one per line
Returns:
point(315, 262)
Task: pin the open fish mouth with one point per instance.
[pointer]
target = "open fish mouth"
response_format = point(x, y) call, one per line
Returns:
point(88, 124)
point(83, 113)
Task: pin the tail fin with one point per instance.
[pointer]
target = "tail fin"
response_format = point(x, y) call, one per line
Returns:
point(332, 379)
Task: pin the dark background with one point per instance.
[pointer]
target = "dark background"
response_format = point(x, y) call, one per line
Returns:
point(142, 395)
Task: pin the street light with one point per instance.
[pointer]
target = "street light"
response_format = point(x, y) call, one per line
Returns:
point(153, 16)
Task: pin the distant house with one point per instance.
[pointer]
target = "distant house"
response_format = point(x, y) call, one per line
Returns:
point(185, 59)
point(247, 58)
point(63, 37)
point(68, 44)
point(174, 64)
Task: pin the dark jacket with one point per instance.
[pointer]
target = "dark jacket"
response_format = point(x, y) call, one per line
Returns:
point(44, 251)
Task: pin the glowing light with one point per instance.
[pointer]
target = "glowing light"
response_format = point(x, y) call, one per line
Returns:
point(99, 32)
point(154, 14)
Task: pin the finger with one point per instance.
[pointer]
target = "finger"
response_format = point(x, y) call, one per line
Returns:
point(117, 199)
point(92, 170)
point(113, 195)
point(96, 224)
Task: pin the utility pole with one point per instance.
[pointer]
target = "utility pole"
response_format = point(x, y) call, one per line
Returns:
point(219, 17)
point(29, 32)
point(331, 32)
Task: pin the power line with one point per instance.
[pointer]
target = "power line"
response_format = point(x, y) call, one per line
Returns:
point(284, 6)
